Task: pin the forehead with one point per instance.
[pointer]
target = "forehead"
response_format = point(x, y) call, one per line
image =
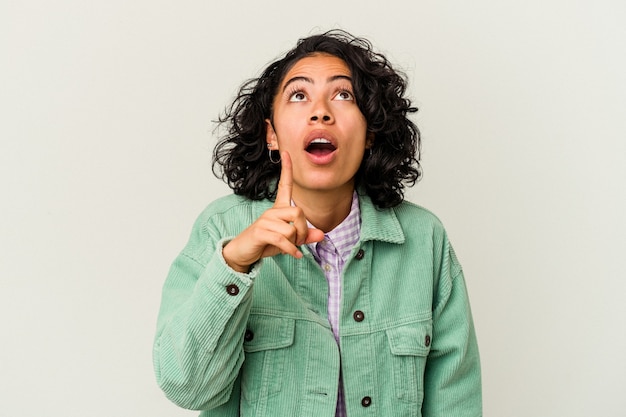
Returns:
point(318, 64)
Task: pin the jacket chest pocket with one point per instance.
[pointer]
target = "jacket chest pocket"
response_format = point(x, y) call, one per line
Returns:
point(265, 343)
point(409, 346)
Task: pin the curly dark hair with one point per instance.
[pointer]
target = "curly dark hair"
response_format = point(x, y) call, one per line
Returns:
point(379, 90)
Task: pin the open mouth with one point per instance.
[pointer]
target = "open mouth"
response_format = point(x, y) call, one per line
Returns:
point(320, 147)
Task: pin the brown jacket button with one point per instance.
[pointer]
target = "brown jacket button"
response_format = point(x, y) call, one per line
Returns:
point(360, 254)
point(366, 401)
point(248, 336)
point(427, 341)
point(232, 289)
point(358, 316)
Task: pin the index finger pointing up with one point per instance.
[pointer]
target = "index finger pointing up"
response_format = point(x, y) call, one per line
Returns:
point(285, 183)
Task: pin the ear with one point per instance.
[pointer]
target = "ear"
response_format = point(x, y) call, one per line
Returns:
point(369, 140)
point(270, 135)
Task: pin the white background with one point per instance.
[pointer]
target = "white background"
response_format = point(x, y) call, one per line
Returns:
point(105, 148)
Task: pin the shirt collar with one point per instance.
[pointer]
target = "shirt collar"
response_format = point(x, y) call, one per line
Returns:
point(347, 233)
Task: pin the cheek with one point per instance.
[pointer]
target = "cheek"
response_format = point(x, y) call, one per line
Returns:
point(288, 133)
point(358, 121)
point(359, 129)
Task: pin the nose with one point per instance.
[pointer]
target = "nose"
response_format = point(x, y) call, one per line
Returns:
point(321, 113)
point(325, 118)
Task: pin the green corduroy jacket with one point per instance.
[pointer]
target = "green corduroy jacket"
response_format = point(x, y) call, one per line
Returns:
point(260, 344)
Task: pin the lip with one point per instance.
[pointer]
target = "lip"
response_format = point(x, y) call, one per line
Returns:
point(320, 159)
point(319, 134)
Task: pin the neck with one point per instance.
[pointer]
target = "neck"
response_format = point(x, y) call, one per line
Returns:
point(325, 209)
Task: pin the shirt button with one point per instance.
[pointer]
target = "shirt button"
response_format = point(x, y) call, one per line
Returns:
point(366, 401)
point(358, 316)
point(232, 289)
point(248, 336)
point(327, 267)
point(427, 341)
point(360, 254)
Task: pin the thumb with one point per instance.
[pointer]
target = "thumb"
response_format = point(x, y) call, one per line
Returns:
point(314, 235)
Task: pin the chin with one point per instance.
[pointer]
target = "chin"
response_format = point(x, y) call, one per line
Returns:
point(328, 185)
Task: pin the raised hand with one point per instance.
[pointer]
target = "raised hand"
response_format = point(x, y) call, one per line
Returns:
point(280, 229)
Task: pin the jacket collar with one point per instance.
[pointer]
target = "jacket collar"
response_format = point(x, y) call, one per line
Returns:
point(376, 224)
point(379, 224)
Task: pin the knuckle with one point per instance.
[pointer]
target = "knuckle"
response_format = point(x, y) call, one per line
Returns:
point(275, 239)
point(293, 232)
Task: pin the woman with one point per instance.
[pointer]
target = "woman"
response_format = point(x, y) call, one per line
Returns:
point(316, 290)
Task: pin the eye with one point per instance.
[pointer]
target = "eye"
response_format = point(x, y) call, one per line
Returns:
point(297, 96)
point(344, 95)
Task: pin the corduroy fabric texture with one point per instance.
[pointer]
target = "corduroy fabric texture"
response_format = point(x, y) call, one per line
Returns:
point(260, 344)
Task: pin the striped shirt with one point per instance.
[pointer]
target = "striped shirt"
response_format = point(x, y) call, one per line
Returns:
point(331, 254)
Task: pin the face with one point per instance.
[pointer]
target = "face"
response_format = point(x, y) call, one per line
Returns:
point(317, 120)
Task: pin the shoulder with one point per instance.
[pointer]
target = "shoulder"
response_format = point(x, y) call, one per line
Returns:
point(411, 215)
point(405, 222)
point(224, 217)
point(225, 204)
point(232, 209)
point(416, 219)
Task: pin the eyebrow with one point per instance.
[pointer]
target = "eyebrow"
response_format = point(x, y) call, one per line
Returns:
point(310, 80)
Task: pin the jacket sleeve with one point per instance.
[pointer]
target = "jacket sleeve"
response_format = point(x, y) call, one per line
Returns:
point(204, 310)
point(452, 375)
